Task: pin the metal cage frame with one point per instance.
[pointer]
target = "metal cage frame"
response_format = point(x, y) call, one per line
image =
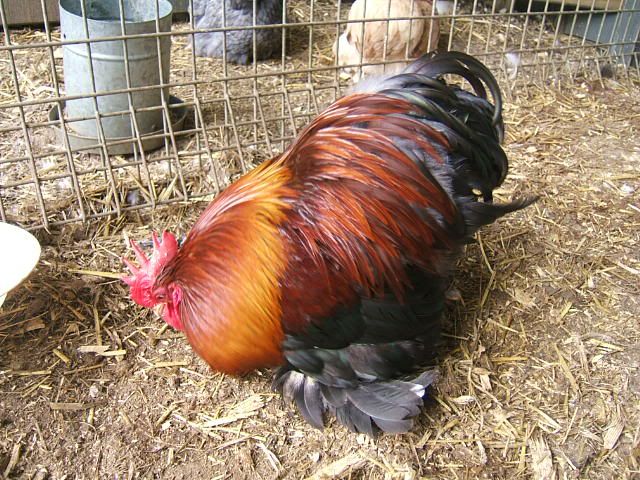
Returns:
point(246, 114)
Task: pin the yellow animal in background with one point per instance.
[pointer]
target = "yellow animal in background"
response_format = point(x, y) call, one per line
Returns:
point(406, 38)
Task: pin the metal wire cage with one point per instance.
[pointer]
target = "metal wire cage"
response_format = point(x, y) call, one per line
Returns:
point(239, 115)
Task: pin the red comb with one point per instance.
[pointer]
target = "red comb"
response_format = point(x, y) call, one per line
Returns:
point(144, 275)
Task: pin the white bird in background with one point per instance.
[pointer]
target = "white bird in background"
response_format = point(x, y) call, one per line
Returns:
point(19, 254)
point(406, 38)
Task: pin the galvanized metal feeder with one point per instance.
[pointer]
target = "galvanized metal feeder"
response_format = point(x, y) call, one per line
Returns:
point(134, 69)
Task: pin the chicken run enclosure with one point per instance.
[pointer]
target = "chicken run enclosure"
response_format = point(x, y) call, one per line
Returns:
point(540, 376)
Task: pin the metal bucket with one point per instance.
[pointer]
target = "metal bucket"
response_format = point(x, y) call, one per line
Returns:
point(109, 64)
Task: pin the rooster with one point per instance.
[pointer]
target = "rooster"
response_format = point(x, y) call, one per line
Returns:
point(332, 260)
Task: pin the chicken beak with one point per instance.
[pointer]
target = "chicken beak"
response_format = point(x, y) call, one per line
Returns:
point(159, 310)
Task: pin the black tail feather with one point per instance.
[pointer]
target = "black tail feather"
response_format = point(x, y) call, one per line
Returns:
point(389, 406)
point(436, 65)
point(355, 420)
point(477, 214)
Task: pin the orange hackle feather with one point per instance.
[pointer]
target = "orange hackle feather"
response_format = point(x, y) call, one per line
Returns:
point(228, 269)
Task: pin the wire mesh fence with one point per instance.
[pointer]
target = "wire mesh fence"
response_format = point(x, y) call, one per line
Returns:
point(220, 108)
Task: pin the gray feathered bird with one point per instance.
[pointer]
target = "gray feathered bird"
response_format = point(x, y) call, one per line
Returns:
point(239, 43)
